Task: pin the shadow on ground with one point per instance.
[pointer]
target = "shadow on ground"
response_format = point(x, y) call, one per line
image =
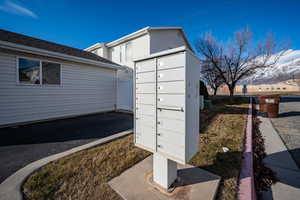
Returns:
point(289, 114)
point(78, 128)
point(286, 173)
point(22, 145)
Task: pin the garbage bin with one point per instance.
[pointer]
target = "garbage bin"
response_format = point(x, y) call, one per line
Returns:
point(262, 104)
point(272, 105)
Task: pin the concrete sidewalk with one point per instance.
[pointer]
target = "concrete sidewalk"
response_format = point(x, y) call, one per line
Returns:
point(281, 162)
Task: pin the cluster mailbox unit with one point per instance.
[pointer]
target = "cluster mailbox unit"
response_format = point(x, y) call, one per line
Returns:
point(166, 110)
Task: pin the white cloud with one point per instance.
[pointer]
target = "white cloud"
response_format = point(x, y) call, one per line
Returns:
point(14, 8)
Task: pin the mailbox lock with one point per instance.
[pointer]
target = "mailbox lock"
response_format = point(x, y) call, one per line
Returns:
point(158, 122)
point(158, 134)
point(159, 146)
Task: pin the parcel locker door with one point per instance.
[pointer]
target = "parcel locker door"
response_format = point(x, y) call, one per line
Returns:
point(146, 131)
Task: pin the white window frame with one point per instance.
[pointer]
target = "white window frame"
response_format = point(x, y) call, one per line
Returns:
point(41, 72)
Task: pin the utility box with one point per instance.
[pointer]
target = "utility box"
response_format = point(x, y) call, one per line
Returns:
point(166, 107)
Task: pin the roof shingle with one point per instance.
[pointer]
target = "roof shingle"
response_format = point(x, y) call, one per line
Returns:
point(49, 46)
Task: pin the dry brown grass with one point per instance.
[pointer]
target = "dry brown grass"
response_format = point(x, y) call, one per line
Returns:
point(223, 128)
point(84, 175)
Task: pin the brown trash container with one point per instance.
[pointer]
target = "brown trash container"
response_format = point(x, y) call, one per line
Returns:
point(262, 104)
point(272, 105)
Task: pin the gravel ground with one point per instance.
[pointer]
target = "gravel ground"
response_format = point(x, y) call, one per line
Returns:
point(288, 125)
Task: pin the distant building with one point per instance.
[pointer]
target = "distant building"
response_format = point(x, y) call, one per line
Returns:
point(284, 86)
point(141, 43)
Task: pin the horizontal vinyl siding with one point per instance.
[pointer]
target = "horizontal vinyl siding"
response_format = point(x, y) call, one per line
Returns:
point(84, 90)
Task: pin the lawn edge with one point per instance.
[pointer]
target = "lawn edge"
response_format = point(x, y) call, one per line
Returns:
point(246, 189)
point(11, 187)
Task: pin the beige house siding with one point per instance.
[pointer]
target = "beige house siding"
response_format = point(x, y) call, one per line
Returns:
point(84, 89)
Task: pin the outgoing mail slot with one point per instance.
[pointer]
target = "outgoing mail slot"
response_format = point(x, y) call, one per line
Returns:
point(170, 74)
point(170, 101)
point(176, 87)
point(147, 77)
point(171, 61)
point(146, 66)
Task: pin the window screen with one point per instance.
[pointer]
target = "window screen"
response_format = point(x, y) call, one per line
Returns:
point(29, 71)
point(51, 73)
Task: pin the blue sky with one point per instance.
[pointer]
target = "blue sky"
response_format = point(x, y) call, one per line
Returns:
point(83, 23)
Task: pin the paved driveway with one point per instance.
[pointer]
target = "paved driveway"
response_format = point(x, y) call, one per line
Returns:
point(22, 145)
point(288, 125)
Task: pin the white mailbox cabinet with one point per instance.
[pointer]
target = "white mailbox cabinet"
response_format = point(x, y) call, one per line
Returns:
point(166, 108)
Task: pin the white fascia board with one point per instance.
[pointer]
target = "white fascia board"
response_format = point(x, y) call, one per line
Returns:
point(165, 28)
point(163, 53)
point(94, 46)
point(186, 40)
point(128, 37)
point(37, 51)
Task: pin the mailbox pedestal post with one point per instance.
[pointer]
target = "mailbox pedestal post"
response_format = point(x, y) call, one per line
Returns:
point(164, 171)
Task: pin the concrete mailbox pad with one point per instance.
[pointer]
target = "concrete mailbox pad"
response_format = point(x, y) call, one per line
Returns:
point(195, 183)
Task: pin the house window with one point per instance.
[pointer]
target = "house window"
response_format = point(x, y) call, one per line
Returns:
point(128, 51)
point(284, 88)
point(121, 50)
point(51, 73)
point(38, 72)
point(29, 71)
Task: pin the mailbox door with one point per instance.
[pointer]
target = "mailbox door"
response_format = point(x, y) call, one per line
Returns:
point(171, 106)
point(145, 104)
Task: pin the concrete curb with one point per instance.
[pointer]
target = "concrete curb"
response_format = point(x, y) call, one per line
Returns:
point(10, 189)
point(246, 179)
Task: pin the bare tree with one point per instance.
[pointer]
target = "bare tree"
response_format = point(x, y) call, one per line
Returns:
point(211, 76)
point(238, 58)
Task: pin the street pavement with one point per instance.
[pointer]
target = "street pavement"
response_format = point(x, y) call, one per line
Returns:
point(288, 125)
